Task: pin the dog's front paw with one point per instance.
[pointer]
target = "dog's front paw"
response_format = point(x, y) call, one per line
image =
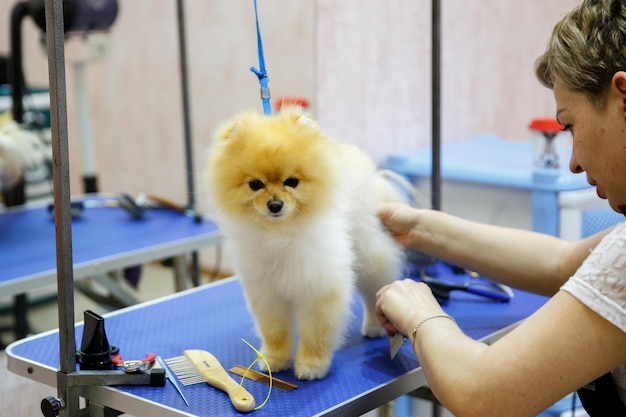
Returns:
point(277, 363)
point(309, 369)
point(372, 329)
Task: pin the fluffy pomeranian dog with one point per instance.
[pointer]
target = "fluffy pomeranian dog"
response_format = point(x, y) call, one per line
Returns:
point(298, 211)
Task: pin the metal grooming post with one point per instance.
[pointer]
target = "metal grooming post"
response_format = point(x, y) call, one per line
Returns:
point(436, 127)
point(436, 104)
point(191, 202)
point(425, 392)
point(69, 380)
point(65, 279)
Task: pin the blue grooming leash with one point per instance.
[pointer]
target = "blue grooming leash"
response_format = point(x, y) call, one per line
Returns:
point(261, 72)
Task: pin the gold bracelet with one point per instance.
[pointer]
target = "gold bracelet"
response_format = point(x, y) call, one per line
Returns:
point(438, 316)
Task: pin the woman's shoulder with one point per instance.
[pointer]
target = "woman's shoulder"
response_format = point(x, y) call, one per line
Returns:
point(615, 237)
point(600, 282)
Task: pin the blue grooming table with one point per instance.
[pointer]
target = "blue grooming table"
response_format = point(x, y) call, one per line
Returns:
point(559, 202)
point(104, 239)
point(214, 317)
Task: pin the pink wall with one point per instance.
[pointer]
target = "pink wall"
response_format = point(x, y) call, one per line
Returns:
point(374, 68)
point(365, 65)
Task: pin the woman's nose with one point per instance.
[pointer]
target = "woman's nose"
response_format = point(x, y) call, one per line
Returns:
point(574, 166)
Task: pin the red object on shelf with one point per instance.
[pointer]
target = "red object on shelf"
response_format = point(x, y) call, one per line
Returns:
point(546, 124)
point(284, 101)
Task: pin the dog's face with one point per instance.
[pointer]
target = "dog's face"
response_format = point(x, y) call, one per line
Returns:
point(271, 169)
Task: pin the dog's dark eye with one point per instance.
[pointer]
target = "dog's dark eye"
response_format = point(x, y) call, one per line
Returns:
point(291, 182)
point(256, 185)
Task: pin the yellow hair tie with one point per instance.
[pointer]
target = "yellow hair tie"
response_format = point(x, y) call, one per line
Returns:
point(269, 371)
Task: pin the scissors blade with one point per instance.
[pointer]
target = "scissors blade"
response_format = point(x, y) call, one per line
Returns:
point(395, 343)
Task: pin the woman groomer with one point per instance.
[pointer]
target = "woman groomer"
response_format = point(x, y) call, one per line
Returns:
point(577, 340)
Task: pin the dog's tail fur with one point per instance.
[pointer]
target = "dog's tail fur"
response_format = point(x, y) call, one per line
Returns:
point(412, 196)
point(415, 199)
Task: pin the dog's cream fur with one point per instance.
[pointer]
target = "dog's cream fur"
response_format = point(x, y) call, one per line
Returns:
point(299, 213)
point(19, 149)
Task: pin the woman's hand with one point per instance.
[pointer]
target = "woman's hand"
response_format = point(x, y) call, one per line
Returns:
point(400, 220)
point(401, 305)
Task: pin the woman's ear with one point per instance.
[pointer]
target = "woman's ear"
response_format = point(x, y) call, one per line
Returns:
point(619, 86)
point(619, 81)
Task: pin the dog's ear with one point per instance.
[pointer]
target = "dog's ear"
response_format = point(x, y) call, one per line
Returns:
point(296, 115)
point(229, 130)
point(306, 120)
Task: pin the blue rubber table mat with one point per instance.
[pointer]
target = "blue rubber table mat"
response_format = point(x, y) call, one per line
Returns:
point(27, 237)
point(215, 318)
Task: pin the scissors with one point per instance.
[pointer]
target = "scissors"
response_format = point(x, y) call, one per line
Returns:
point(134, 365)
point(441, 289)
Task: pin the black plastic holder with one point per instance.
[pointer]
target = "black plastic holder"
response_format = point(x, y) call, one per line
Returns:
point(95, 351)
point(97, 368)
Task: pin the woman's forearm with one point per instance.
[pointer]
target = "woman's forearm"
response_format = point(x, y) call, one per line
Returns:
point(523, 259)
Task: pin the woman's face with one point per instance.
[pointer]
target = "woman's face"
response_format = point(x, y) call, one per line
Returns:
point(599, 139)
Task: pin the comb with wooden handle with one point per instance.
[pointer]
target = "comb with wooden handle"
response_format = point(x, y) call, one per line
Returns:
point(197, 366)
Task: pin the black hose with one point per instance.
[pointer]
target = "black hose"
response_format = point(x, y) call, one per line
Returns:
point(16, 76)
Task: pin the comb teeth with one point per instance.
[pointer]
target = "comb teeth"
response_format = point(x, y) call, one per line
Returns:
point(184, 370)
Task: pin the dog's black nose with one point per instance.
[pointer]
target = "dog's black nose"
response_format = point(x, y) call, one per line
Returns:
point(275, 206)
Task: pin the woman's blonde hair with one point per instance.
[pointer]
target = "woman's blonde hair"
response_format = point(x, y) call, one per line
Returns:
point(587, 47)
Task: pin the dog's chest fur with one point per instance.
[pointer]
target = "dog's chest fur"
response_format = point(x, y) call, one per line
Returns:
point(306, 258)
